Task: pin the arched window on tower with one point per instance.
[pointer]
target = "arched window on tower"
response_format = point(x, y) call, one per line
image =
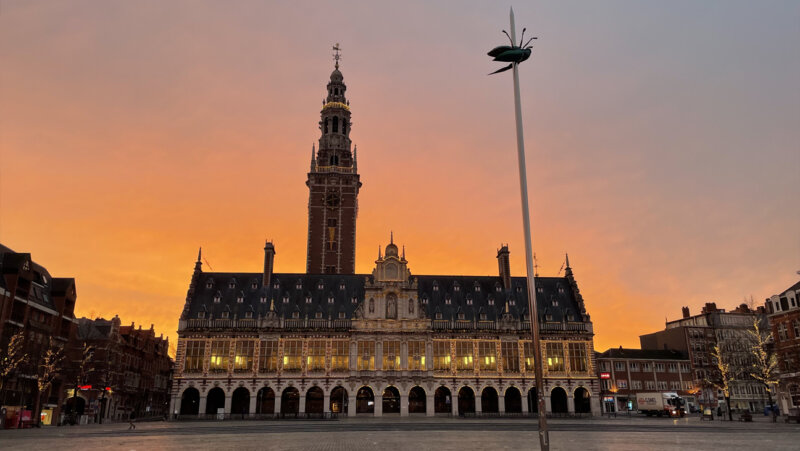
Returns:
point(335, 124)
point(334, 160)
point(326, 126)
point(344, 127)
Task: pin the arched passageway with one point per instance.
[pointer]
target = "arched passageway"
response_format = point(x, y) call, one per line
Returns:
point(391, 400)
point(215, 400)
point(582, 401)
point(265, 401)
point(558, 400)
point(466, 401)
point(442, 400)
point(190, 401)
point(339, 400)
point(513, 400)
point(365, 400)
point(290, 401)
point(533, 402)
point(489, 402)
point(240, 403)
point(416, 400)
point(315, 400)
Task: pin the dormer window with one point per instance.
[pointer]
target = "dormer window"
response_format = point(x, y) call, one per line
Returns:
point(209, 283)
point(548, 317)
point(491, 301)
point(539, 290)
point(570, 317)
point(512, 302)
point(469, 301)
point(318, 315)
point(298, 285)
point(341, 286)
point(460, 315)
point(254, 285)
point(498, 288)
point(225, 315)
point(239, 299)
point(201, 315)
point(435, 286)
point(276, 285)
point(555, 302)
point(217, 298)
point(232, 284)
point(477, 288)
point(320, 286)
point(341, 315)
point(519, 289)
point(424, 299)
point(447, 300)
point(438, 315)
point(330, 300)
point(295, 315)
point(456, 288)
point(483, 316)
point(263, 299)
point(354, 300)
point(248, 314)
point(308, 299)
point(285, 299)
point(560, 290)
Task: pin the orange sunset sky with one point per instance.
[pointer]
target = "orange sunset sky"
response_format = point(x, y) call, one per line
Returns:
point(662, 139)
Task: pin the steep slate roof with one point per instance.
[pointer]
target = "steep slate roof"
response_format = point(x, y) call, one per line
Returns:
point(330, 294)
point(645, 354)
point(12, 262)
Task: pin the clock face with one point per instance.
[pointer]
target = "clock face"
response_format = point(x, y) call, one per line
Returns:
point(332, 200)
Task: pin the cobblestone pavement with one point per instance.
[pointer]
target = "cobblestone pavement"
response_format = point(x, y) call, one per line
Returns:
point(414, 434)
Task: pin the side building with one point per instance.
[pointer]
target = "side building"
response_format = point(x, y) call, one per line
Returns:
point(381, 343)
point(784, 321)
point(624, 373)
point(697, 335)
point(130, 371)
point(42, 308)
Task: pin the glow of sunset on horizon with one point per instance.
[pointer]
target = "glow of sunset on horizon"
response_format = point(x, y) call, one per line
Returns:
point(662, 145)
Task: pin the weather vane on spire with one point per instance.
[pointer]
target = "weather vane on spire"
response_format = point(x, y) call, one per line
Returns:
point(336, 55)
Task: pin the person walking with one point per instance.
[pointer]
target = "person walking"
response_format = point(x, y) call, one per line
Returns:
point(131, 419)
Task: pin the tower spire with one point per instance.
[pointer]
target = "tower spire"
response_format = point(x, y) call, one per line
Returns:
point(391, 237)
point(336, 55)
point(199, 263)
point(313, 157)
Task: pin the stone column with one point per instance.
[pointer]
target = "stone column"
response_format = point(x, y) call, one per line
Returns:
point(403, 358)
point(228, 400)
point(501, 403)
point(478, 407)
point(378, 404)
point(202, 409)
point(430, 405)
point(278, 403)
point(597, 409)
point(302, 408)
point(454, 402)
point(253, 399)
point(524, 404)
point(548, 407)
point(174, 407)
point(351, 404)
point(403, 405)
point(570, 404)
point(378, 355)
point(326, 403)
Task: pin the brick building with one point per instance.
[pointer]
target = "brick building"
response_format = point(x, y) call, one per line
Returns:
point(696, 336)
point(784, 320)
point(130, 370)
point(43, 307)
point(381, 343)
point(625, 372)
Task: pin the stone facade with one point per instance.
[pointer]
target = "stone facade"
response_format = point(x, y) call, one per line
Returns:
point(784, 322)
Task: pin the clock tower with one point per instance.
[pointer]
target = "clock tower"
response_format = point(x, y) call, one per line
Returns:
point(333, 184)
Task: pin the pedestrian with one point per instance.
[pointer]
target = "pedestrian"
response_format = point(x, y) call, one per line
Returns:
point(131, 419)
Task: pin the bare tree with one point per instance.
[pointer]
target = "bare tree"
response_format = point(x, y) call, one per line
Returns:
point(14, 357)
point(82, 369)
point(48, 370)
point(723, 376)
point(764, 368)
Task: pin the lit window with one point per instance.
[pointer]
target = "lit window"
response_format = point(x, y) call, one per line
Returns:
point(263, 299)
point(441, 355)
point(195, 351)
point(487, 356)
point(464, 355)
point(219, 356)
point(391, 355)
point(527, 349)
point(416, 355)
point(316, 355)
point(286, 299)
point(243, 359)
point(366, 355)
point(330, 300)
point(577, 357)
point(308, 299)
point(292, 355)
point(510, 354)
point(340, 355)
point(555, 356)
point(268, 356)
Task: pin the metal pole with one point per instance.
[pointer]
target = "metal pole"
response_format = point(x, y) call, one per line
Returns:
point(544, 436)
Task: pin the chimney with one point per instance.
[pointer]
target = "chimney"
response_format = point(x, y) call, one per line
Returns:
point(685, 311)
point(504, 265)
point(269, 260)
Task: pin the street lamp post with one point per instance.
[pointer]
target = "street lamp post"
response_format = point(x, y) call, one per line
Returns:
point(516, 54)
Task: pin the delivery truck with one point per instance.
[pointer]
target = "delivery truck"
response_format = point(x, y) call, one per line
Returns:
point(660, 404)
